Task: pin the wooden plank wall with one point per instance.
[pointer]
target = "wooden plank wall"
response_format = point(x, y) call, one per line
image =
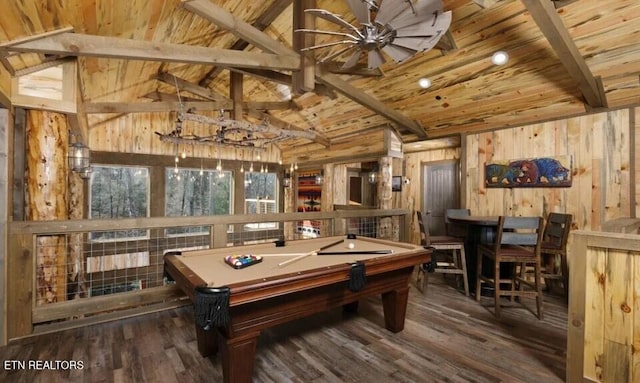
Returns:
point(604, 310)
point(600, 147)
point(135, 133)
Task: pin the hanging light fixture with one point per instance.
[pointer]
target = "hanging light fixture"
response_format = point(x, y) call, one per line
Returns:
point(286, 180)
point(80, 159)
point(320, 178)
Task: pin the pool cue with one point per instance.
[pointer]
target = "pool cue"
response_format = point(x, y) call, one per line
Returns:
point(309, 253)
point(355, 252)
point(299, 257)
point(279, 254)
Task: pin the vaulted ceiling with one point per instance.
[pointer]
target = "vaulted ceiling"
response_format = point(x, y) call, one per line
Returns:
point(566, 58)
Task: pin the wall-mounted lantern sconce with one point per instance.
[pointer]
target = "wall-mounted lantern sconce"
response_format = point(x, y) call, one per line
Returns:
point(286, 180)
point(320, 178)
point(80, 159)
point(373, 174)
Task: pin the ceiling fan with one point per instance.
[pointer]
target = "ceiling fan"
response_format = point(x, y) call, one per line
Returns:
point(399, 28)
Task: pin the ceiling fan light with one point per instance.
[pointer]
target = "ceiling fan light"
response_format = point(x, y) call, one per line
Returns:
point(500, 58)
point(424, 83)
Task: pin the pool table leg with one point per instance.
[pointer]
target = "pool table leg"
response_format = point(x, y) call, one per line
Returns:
point(394, 304)
point(238, 357)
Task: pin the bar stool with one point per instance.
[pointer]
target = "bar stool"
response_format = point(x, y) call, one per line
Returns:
point(518, 242)
point(449, 255)
point(554, 245)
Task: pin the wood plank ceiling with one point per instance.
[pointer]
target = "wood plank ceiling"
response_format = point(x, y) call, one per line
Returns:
point(566, 58)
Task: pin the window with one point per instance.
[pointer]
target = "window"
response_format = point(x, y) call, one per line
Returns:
point(260, 196)
point(119, 192)
point(196, 192)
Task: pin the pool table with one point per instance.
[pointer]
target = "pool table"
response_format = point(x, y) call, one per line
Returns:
point(289, 284)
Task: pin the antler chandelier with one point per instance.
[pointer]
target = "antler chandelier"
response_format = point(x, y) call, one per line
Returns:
point(398, 28)
point(230, 132)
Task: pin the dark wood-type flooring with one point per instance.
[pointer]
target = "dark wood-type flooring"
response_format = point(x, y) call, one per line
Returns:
point(447, 338)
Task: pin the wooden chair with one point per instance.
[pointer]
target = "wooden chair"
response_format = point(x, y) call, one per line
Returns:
point(454, 229)
point(518, 242)
point(448, 254)
point(554, 245)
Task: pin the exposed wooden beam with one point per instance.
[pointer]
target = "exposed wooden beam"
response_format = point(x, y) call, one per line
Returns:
point(283, 78)
point(447, 43)
point(546, 16)
point(263, 21)
point(357, 70)
point(236, 83)
point(168, 105)
point(436, 143)
point(372, 103)
point(281, 124)
point(224, 19)
point(303, 80)
point(147, 107)
point(184, 85)
point(215, 96)
point(77, 121)
point(161, 96)
point(562, 3)
point(73, 44)
point(265, 74)
point(44, 65)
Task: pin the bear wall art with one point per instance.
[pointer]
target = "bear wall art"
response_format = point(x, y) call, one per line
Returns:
point(532, 172)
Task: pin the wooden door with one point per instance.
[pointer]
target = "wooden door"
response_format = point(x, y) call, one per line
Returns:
point(440, 191)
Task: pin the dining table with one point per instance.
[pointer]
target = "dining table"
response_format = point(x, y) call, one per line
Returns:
point(481, 229)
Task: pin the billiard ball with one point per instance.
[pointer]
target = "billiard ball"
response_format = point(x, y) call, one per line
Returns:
point(351, 246)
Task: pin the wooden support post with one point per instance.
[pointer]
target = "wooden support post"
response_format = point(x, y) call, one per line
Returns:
point(47, 191)
point(385, 200)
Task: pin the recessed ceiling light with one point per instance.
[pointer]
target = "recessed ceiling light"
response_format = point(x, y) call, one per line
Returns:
point(500, 58)
point(424, 83)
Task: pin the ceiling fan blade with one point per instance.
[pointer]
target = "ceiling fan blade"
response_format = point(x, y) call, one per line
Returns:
point(332, 33)
point(397, 53)
point(424, 30)
point(328, 45)
point(425, 12)
point(331, 17)
point(333, 55)
point(353, 60)
point(388, 12)
point(408, 42)
point(360, 10)
point(442, 25)
point(375, 58)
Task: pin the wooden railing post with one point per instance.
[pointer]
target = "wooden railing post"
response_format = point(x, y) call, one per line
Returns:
point(20, 294)
point(219, 235)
